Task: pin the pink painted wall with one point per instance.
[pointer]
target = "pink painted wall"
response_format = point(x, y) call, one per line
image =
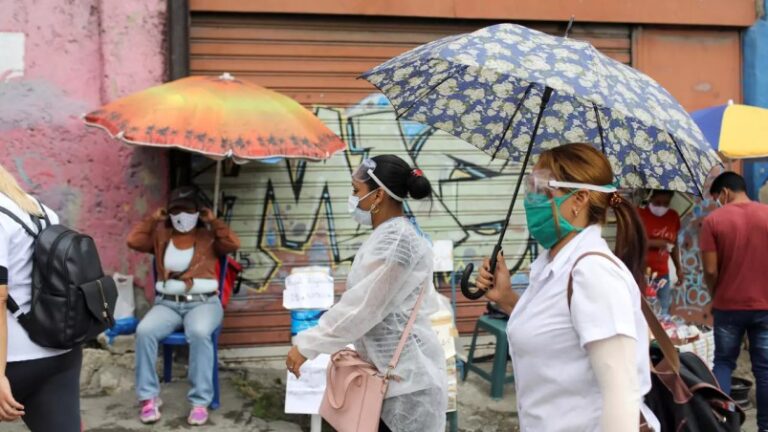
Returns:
point(78, 55)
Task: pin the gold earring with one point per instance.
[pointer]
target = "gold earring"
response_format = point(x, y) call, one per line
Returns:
point(575, 213)
point(374, 209)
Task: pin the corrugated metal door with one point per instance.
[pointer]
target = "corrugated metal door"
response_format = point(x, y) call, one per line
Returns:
point(293, 213)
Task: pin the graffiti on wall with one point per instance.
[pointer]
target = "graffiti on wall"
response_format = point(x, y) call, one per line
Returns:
point(294, 213)
point(691, 299)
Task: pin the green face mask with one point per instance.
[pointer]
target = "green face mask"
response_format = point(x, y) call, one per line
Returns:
point(540, 215)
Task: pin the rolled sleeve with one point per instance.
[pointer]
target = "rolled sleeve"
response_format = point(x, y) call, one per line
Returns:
point(601, 306)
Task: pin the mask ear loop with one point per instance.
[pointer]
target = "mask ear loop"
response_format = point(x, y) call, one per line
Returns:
point(556, 214)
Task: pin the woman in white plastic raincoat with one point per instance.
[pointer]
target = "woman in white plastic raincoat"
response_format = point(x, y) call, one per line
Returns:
point(388, 272)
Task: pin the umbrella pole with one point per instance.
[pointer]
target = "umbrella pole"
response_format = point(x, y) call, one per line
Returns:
point(474, 295)
point(216, 187)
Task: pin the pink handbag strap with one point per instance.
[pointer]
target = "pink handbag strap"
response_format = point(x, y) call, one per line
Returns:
point(406, 332)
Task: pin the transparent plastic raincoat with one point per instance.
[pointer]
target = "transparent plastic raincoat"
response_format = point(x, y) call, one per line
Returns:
point(387, 274)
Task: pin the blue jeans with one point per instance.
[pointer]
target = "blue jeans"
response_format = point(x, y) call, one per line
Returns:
point(664, 295)
point(730, 327)
point(199, 319)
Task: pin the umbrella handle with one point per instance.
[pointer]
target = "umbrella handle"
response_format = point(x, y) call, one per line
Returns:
point(465, 285)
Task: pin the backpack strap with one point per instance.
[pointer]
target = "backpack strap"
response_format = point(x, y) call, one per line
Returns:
point(16, 219)
point(665, 343)
point(45, 213)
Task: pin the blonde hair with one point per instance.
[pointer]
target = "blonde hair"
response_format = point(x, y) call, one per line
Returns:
point(10, 187)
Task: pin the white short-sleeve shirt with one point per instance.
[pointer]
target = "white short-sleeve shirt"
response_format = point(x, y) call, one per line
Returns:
point(16, 256)
point(557, 390)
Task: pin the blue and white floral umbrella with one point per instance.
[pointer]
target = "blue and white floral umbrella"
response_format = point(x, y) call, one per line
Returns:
point(487, 88)
point(514, 92)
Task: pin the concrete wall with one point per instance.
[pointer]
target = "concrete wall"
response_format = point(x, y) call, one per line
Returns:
point(58, 60)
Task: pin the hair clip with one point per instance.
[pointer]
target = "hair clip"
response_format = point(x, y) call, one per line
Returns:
point(417, 172)
point(615, 199)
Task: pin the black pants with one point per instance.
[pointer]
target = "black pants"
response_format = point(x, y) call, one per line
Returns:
point(49, 389)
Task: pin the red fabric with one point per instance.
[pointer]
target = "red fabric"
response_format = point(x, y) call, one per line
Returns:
point(233, 269)
point(665, 228)
point(738, 233)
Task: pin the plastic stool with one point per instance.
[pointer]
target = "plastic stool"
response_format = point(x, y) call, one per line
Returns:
point(497, 377)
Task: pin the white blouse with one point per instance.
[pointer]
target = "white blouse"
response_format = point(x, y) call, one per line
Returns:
point(557, 390)
point(16, 248)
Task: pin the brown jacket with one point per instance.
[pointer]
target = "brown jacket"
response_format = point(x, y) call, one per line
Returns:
point(150, 236)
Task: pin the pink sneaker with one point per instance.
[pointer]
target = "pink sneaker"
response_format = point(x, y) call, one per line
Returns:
point(150, 410)
point(198, 416)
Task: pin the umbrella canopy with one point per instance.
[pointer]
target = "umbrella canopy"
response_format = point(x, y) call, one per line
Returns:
point(218, 117)
point(514, 92)
point(491, 87)
point(736, 131)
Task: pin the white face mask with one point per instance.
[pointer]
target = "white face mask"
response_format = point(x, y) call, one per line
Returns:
point(359, 215)
point(721, 199)
point(658, 211)
point(184, 222)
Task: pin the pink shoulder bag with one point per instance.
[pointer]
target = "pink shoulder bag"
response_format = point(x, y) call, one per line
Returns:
point(355, 389)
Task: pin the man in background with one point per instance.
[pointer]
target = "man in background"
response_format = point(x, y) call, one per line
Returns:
point(734, 247)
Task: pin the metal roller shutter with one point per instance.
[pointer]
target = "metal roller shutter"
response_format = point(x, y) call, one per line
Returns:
point(294, 214)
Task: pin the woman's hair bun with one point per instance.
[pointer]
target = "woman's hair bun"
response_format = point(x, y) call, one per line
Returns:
point(418, 185)
point(400, 178)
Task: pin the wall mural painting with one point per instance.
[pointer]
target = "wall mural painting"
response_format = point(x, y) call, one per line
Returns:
point(294, 213)
point(300, 208)
point(691, 300)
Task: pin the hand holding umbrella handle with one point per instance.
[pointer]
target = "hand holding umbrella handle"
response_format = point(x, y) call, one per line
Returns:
point(465, 285)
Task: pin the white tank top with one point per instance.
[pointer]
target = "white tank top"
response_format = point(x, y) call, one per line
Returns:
point(178, 260)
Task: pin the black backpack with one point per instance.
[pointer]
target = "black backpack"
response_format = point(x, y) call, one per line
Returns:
point(72, 300)
point(684, 396)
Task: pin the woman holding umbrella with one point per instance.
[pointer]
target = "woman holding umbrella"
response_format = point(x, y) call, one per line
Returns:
point(577, 336)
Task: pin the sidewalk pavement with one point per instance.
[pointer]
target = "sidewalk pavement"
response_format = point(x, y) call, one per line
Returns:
point(251, 395)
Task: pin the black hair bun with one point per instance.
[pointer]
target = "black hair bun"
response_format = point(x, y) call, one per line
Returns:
point(418, 185)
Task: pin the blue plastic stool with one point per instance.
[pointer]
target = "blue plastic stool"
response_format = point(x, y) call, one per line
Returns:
point(178, 338)
point(497, 377)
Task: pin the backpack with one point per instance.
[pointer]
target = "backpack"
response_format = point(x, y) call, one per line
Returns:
point(72, 300)
point(684, 395)
point(228, 281)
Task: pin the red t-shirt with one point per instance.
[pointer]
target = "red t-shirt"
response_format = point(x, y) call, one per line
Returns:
point(665, 227)
point(739, 235)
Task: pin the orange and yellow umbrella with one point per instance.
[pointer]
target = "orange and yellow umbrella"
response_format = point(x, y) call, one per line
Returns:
point(219, 117)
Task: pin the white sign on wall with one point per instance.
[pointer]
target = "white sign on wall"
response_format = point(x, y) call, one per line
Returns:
point(308, 288)
point(11, 55)
point(443, 255)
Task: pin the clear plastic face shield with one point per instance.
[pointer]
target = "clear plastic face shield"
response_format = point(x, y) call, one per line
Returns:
point(365, 172)
point(540, 186)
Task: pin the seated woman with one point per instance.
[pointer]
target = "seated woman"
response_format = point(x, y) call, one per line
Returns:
point(187, 241)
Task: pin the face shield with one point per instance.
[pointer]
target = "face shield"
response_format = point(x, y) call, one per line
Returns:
point(540, 186)
point(364, 172)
